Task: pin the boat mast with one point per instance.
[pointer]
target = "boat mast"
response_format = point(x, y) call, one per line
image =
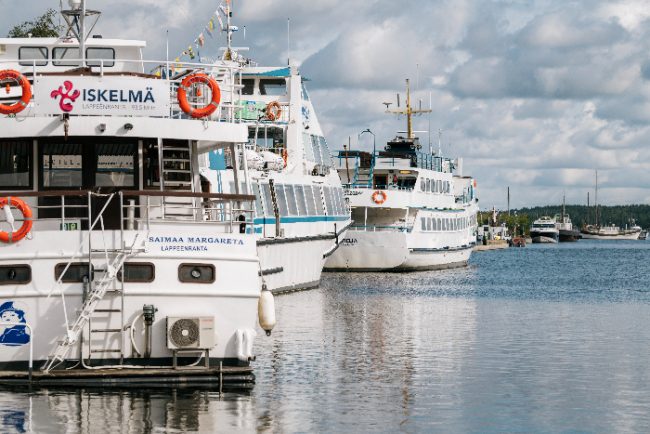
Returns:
point(596, 202)
point(408, 111)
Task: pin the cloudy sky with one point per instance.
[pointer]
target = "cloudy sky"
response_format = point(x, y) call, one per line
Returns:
point(534, 95)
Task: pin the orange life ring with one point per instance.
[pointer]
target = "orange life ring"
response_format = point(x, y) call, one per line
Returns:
point(273, 111)
point(379, 197)
point(185, 86)
point(12, 237)
point(27, 92)
point(285, 156)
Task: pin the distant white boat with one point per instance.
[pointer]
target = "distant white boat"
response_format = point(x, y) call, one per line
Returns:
point(544, 230)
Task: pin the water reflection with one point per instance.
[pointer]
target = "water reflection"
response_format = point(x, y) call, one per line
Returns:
point(501, 346)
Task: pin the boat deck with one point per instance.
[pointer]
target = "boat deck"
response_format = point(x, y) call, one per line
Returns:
point(225, 378)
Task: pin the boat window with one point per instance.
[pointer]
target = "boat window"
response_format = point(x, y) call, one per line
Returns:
point(248, 86)
point(305, 94)
point(309, 198)
point(342, 201)
point(15, 274)
point(62, 165)
point(268, 201)
point(15, 164)
point(281, 199)
point(423, 222)
point(115, 165)
point(429, 225)
point(30, 56)
point(318, 157)
point(100, 56)
point(309, 148)
point(428, 185)
point(329, 204)
point(291, 199)
point(137, 272)
point(300, 198)
point(423, 184)
point(326, 157)
point(66, 56)
point(196, 273)
point(74, 274)
point(259, 210)
point(273, 87)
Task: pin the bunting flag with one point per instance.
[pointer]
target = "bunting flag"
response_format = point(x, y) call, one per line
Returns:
point(209, 32)
point(201, 40)
point(218, 17)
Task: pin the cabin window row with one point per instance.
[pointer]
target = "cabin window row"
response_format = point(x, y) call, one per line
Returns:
point(133, 272)
point(435, 186)
point(65, 56)
point(299, 200)
point(444, 224)
point(316, 149)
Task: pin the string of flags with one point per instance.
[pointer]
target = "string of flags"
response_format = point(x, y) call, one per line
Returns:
point(220, 17)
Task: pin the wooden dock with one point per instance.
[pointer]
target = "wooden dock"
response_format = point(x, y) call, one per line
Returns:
point(491, 245)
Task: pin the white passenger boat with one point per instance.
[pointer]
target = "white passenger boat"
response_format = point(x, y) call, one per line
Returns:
point(412, 210)
point(611, 232)
point(301, 213)
point(544, 230)
point(114, 252)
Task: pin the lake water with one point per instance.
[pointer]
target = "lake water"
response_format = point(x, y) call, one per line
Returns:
point(540, 339)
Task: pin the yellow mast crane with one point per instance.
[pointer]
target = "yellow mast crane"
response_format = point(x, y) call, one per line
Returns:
point(408, 111)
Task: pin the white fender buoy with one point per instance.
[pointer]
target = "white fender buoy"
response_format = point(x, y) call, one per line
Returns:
point(240, 345)
point(266, 310)
point(249, 338)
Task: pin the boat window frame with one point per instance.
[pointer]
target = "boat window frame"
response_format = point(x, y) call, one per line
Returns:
point(150, 265)
point(74, 265)
point(14, 281)
point(193, 266)
point(72, 62)
point(98, 62)
point(292, 205)
point(310, 198)
point(29, 146)
point(34, 62)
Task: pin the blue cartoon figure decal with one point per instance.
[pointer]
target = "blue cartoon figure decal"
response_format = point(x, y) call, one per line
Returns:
point(12, 335)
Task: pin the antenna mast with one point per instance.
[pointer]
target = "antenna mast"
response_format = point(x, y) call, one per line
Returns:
point(75, 18)
point(408, 111)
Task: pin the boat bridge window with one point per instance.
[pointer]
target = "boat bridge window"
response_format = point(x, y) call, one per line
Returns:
point(300, 198)
point(15, 274)
point(115, 165)
point(310, 199)
point(281, 200)
point(15, 164)
point(248, 86)
point(66, 56)
point(291, 200)
point(259, 209)
point(28, 56)
point(62, 165)
point(273, 87)
point(95, 56)
point(267, 200)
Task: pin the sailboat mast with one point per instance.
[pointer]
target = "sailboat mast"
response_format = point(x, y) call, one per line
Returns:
point(596, 201)
point(409, 126)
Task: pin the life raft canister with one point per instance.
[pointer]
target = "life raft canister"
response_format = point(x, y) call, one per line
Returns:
point(379, 197)
point(273, 111)
point(186, 85)
point(12, 237)
point(27, 92)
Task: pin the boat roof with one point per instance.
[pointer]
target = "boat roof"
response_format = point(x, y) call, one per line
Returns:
point(258, 71)
point(38, 42)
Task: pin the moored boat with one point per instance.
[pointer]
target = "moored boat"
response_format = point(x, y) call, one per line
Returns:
point(543, 230)
point(412, 210)
point(114, 254)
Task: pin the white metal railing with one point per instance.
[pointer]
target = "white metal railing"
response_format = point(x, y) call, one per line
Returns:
point(227, 76)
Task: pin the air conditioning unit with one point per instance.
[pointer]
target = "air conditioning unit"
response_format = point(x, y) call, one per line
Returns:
point(190, 333)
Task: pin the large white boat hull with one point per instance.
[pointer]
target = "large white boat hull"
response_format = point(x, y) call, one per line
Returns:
point(588, 236)
point(390, 251)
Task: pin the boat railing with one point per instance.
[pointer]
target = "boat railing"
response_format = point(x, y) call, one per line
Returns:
point(140, 209)
point(227, 76)
point(374, 228)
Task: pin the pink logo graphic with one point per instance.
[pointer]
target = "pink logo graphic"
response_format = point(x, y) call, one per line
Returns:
point(68, 94)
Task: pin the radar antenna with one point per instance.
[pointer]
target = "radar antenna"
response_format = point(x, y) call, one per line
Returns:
point(75, 18)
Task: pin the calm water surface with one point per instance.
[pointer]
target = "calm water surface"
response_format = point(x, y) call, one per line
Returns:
point(541, 339)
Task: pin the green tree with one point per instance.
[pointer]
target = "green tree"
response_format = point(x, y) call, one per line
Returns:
point(42, 27)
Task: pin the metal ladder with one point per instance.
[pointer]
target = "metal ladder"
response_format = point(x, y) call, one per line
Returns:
point(94, 296)
point(177, 174)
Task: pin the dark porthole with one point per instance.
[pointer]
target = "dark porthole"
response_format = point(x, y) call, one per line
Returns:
point(196, 273)
point(138, 272)
point(75, 273)
point(15, 274)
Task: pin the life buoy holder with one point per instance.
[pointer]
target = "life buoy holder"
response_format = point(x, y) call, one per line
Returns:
point(379, 197)
point(273, 111)
point(185, 87)
point(27, 92)
point(13, 237)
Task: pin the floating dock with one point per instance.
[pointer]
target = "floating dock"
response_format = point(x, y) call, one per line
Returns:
point(491, 245)
point(225, 378)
